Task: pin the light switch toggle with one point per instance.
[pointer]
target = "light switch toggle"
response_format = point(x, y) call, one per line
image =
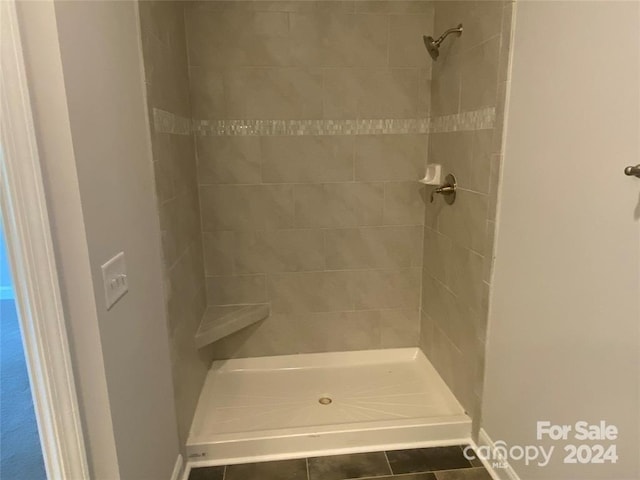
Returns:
point(114, 278)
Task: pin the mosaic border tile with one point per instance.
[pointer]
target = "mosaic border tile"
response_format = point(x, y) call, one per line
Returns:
point(311, 127)
point(166, 122)
point(482, 119)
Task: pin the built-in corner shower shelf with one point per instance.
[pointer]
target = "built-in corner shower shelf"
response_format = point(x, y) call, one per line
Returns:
point(221, 321)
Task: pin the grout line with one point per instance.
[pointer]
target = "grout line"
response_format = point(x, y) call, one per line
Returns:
point(306, 460)
point(224, 473)
point(388, 462)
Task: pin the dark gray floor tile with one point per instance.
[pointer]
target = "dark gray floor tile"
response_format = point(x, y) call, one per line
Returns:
point(207, 473)
point(476, 462)
point(464, 474)
point(409, 476)
point(280, 470)
point(341, 467)
point(427, 459)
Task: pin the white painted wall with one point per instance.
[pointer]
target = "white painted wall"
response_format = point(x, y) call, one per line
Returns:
point(85, 66)
point(563, 341)
point(51, 120)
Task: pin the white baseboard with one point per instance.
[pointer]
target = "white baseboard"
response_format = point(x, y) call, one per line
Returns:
point(177, 469)
point(505, 472)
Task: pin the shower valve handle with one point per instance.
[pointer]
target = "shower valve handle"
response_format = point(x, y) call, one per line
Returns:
point(632, 171)
point(444, 190)
point(447, 189)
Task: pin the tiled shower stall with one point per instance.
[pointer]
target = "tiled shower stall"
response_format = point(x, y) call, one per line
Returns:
point(288, 141)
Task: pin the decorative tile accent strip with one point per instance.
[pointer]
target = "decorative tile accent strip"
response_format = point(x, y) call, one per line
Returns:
point(311, 127)
point(166, 122)
point(474, 120)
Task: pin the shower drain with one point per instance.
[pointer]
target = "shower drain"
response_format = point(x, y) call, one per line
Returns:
point(324, 400)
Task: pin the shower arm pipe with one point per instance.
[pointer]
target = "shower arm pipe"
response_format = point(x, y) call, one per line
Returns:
point(441, 38)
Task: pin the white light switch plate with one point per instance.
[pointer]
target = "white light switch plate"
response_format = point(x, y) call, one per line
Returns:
point(114, 278)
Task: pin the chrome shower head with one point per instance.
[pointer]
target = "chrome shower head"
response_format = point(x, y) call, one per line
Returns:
point(433, 46)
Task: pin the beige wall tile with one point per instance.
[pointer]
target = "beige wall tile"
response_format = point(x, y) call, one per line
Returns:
point(246, 207)
point(165, 56)
point(257, 5)
point(182, 283)
point(346, 331)
point(339, 204)
point(167, 81)
point(485, 21)
point(303, 159)
point(394, 6)
point(309, 292)
point(237, 38)
point(179, 225)
point(481, 19)
point(505, 41)
point(219, 252)
point(157, 19)
point(465, 221)
point(453, 150)
point(445, 84)
point(346, 6)
point(489, 257)
point(283, 334)
point(290, 5)
point(481, 161)
point(426, 333)
point(458, 244)
point(163, 166)
point(373, 247)
point(329, 38)
point(424, 92)
point(189, 365)
point(279, 251)
point(437, 254)
point(390, 157)
point(404, 203)
point(372, 93)
point(380, 289)
point(445, 357)
point(292, 333)
point(466, 154)
point(499, 125)
point(236, 289)
point(341, 92)
point(228, 160)
point(432, 211)
point(276, 335)
point(465, 276)
point(313, 60)
point(273, 93)
point(313, 332)
point(479, 83)
point(443, 307)
point(399, 328)
point(406, 48)
point(389, 93)
point(185, 172)
point(207, 93)
point(494, 181)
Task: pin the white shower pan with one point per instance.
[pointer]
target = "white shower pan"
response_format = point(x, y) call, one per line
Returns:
point(323, 404)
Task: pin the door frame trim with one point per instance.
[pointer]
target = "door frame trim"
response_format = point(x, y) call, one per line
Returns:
point(32, 259)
